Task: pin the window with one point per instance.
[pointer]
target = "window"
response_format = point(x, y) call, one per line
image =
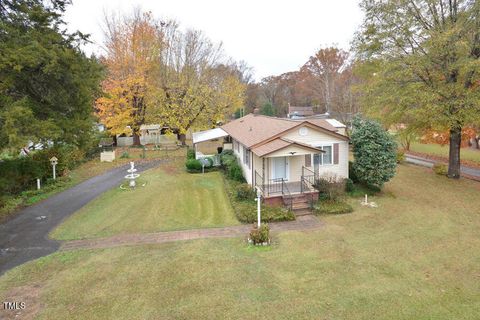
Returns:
point(246, 157)
point(323, 158)
point(327, 156)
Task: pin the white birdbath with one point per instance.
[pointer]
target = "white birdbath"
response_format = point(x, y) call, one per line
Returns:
point(131, 176)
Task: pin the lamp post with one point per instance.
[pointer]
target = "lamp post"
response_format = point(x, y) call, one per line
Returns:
point(54, 162)
point(259, 201)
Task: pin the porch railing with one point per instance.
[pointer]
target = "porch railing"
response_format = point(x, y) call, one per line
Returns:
point(308, 179)
point(287, 196)
point(259, 182)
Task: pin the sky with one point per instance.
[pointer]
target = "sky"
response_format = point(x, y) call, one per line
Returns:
point(273, 37)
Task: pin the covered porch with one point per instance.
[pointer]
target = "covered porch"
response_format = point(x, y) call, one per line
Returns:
point(285, 168)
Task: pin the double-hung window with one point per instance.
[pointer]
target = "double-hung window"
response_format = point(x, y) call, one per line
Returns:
point(323, 158)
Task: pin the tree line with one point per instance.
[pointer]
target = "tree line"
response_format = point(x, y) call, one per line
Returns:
point(414, 65)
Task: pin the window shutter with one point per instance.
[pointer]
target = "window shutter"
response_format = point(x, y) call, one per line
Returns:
point(335, 153)
point(308, 160)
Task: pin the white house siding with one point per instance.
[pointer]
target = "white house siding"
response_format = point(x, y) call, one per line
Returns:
point(295, 162)
point(247, 172)
point(316, 138)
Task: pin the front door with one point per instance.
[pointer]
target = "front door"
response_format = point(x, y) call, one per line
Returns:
point(279, 168)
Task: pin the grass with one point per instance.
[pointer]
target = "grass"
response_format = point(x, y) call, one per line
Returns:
point(171, 200)
point(414, 257)
point(442, 151)
point(83, 172)
point(333, 207)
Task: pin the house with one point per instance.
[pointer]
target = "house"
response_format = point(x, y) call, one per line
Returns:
point(282, 157)
point(298, 112)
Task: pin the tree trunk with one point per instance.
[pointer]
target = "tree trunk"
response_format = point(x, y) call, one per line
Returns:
point(474, 143)
point(182, 137)
point(136, 139)
point(454, 153)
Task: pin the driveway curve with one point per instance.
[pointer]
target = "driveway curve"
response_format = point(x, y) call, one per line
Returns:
point(25, 236)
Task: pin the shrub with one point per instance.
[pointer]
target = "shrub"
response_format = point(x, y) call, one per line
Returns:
point(440, 169)
point(349, 185)
point(227, 158)
point(330, 186)
point(351, 172)
point(227, 152)
point(246, 210)
point(259, 236)
point(332, 207)
point(375, 152)
point(193, 165)
point(400, 156)
point(235, 172)
point(245, 192)
point(125, 155)
point(190, 153)
point(210, 162)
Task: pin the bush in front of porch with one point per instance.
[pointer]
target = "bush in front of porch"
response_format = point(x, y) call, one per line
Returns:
point(332, 198)
point(245, 207)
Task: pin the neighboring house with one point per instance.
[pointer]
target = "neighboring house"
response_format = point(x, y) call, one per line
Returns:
point(298, 112)
point(151, 134)
point(282, 157)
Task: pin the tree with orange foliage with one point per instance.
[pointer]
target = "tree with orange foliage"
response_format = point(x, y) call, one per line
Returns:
point(133, 45)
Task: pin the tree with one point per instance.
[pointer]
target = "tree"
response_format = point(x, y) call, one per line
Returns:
point(196, 86)
point(267, 110)
point(325, 67)
point(427, 56)
point(375, 152)
point(160, 74)
point(47, 85)
point(134, 44)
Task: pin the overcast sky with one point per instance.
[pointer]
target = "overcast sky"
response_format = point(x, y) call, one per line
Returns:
point(273, 37)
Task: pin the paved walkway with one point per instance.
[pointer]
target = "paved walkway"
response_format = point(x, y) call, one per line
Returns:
point(25, 236)
point(467, 172)
point(303, 223)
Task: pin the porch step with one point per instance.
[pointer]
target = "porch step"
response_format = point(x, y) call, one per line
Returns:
point(300, 205)
point(303, 212)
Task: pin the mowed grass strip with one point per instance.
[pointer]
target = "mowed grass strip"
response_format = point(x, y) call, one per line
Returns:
point(171, 200)
point(416, 256)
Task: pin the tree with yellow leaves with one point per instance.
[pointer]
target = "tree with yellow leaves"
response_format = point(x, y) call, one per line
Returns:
point(159, 74)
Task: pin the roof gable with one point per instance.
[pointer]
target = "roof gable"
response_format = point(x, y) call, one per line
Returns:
point(254, 130)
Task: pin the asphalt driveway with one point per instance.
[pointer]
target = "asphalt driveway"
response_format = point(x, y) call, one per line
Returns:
point(25, 237)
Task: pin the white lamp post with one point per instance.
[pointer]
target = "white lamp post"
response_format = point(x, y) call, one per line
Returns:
point(259, 201)
point(54, 162)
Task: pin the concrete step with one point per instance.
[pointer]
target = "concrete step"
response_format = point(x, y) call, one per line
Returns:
point(299, 206)
point(303, 212)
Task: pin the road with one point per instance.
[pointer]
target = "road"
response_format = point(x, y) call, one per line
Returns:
point(471, 172)
point(25, 236)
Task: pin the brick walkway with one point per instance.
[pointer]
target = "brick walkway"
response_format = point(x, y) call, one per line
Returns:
point(303, 223)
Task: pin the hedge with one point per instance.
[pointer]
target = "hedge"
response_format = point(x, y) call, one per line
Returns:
point(19, 174)
point(246, 210)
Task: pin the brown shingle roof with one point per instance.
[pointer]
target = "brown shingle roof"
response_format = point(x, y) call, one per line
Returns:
point(279, 144)
point(251, 130)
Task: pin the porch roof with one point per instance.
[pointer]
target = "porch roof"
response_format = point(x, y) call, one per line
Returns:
point(207, 135)
point(279, 144)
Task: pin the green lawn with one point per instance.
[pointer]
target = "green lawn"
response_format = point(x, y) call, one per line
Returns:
point(171, 199)
point(442, 151)
point(415, 257)
point(83, 172)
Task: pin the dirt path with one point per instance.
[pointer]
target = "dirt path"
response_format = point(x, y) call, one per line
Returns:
point(303, 223)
